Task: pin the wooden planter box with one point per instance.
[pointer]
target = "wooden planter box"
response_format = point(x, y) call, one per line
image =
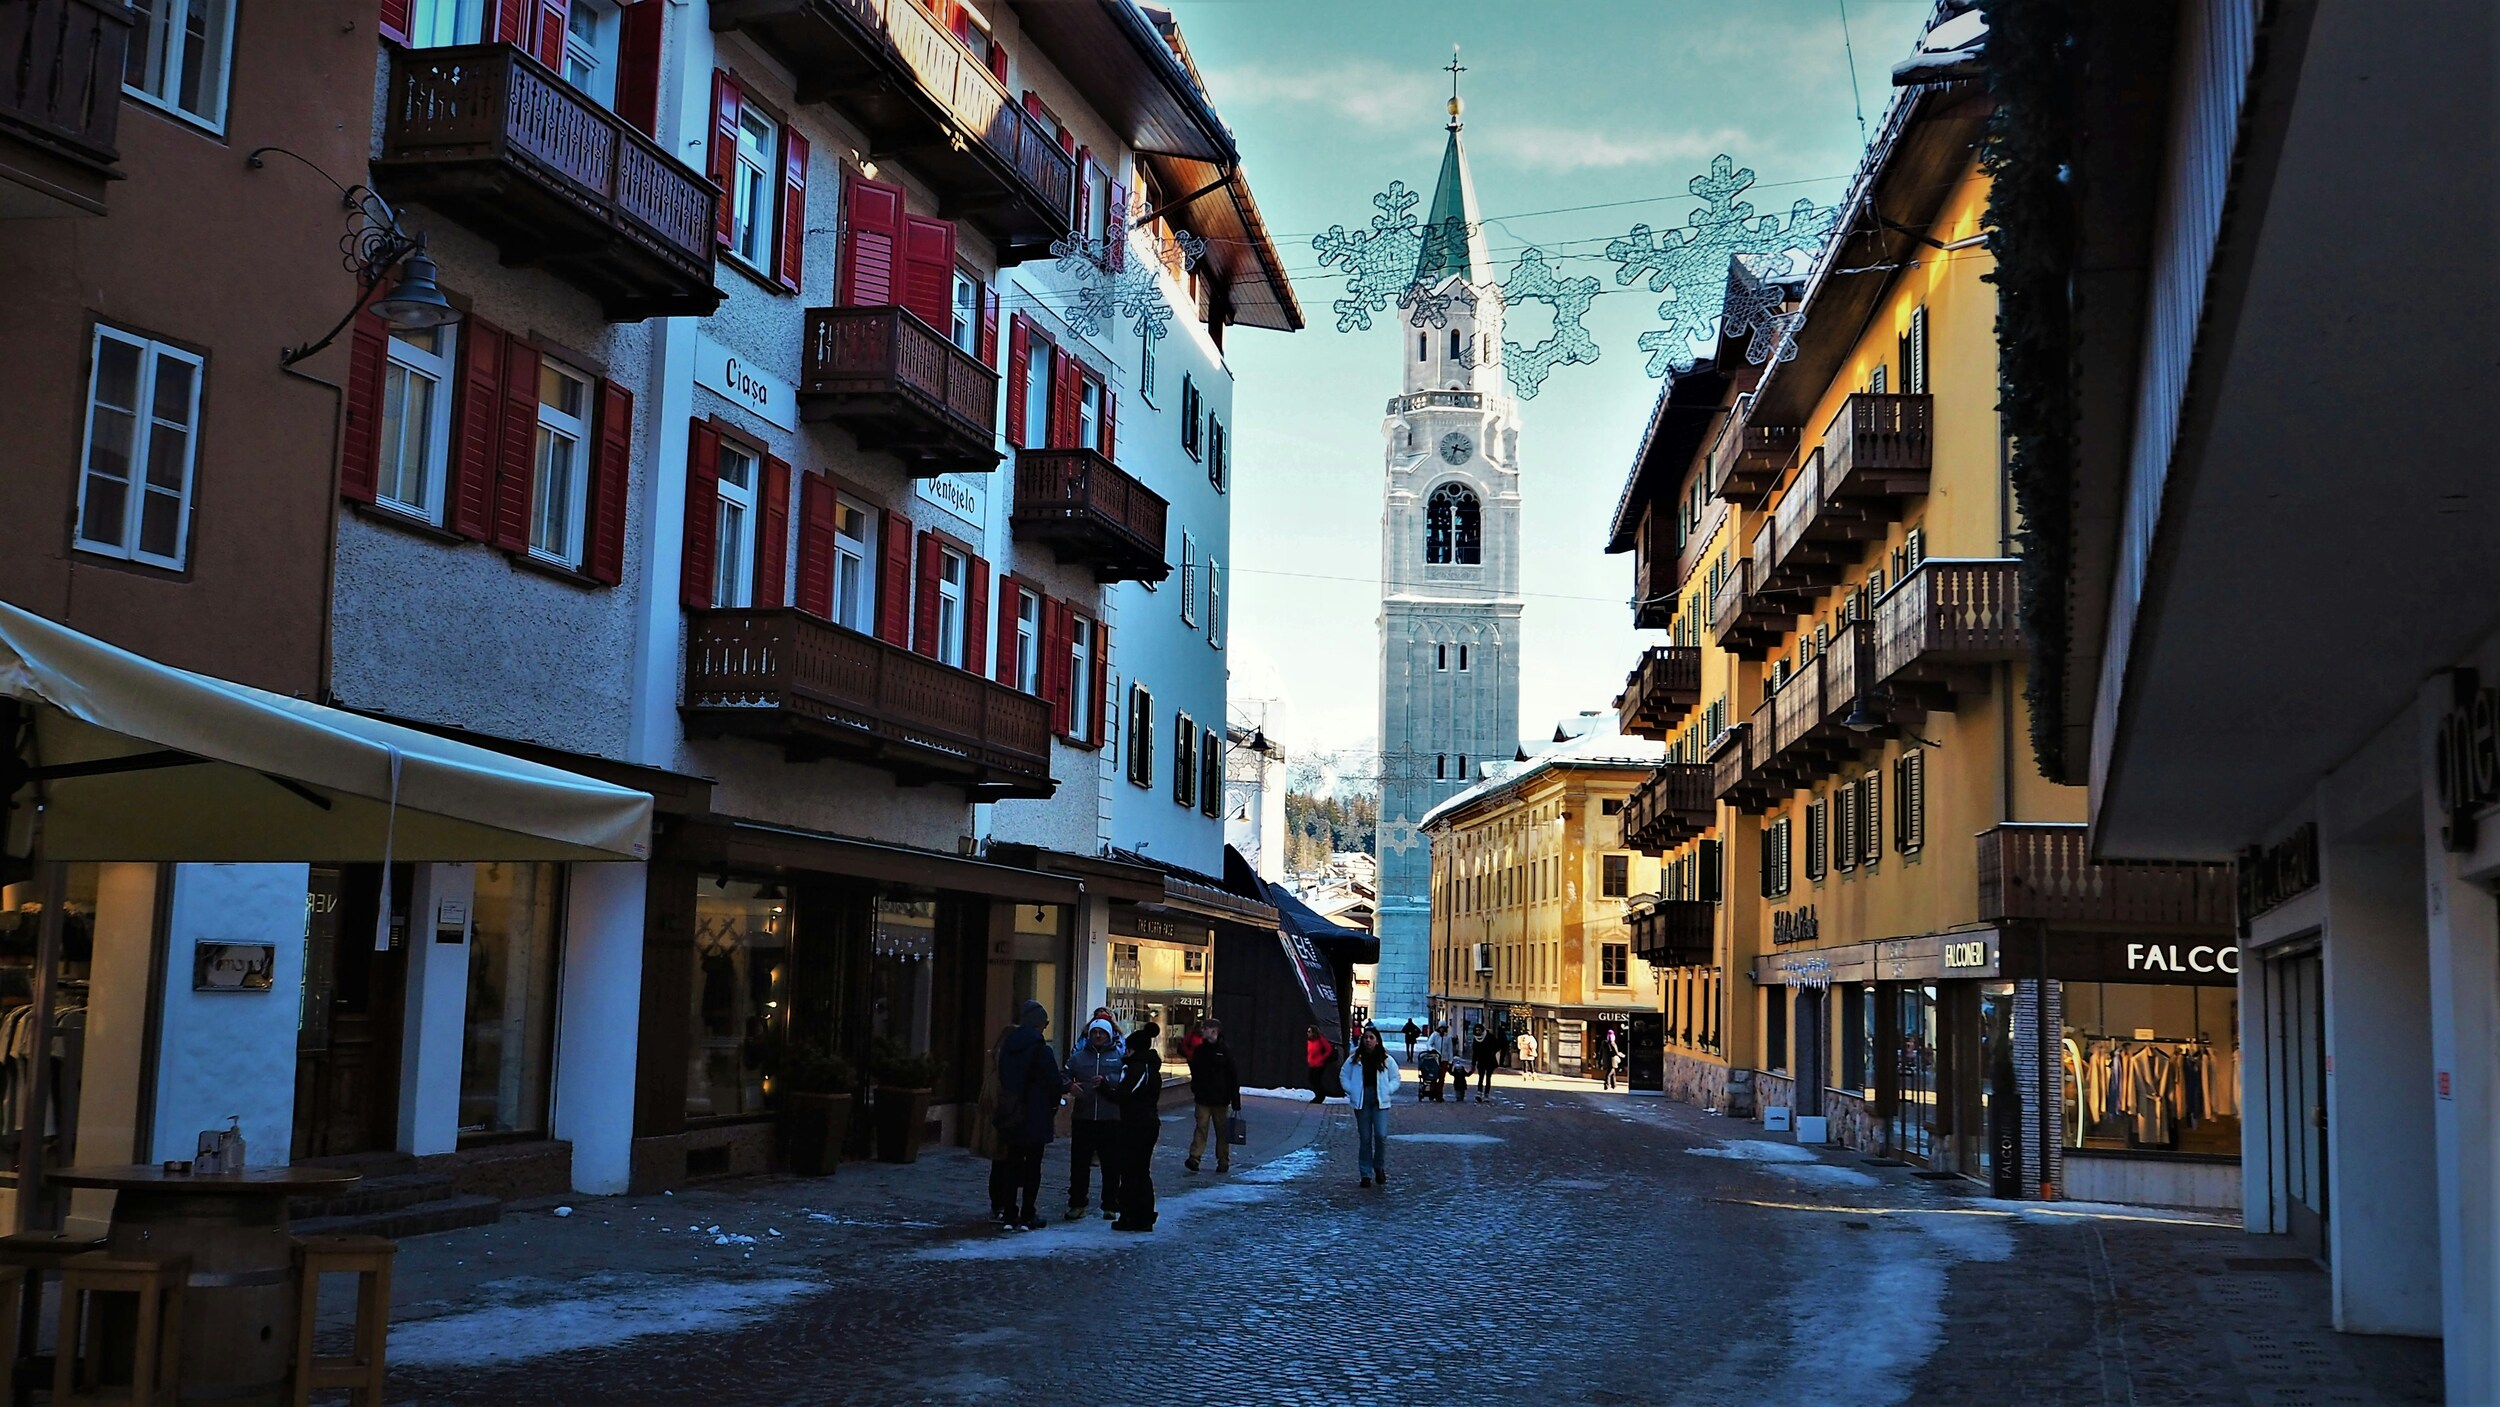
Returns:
point(813, 1128)
point(900, 1115)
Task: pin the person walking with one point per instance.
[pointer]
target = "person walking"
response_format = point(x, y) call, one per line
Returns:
point(1371, 1082)
point(1412, 1031)
point(1139, 1095)
point(1029, 1087)
point(1488, 1054)
point(1527, 1056)
point(1316, 1050)
point(1462, 1060)
point(1610, 1057)
point(1093, 1119)
point(1215, 1092)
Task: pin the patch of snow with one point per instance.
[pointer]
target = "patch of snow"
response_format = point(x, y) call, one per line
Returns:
point(618, 1311)
point(1757, 1150)
point(1282, 1169)
point(733, 1240)
point(2050, 1212)
point(1824, 1174)
point(564, 1211)
point(1288, 1092)
point(1464, 1140)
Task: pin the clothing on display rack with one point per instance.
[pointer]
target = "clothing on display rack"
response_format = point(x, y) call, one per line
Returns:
point(17, 1067)
point(2145, 1091)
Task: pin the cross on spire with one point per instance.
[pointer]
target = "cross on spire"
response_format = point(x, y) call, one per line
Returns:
point(1454, 69)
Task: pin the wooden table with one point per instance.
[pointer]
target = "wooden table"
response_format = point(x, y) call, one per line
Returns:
point(238, 1323)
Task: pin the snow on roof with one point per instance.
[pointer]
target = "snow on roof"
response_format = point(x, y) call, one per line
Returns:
point(1584, 740)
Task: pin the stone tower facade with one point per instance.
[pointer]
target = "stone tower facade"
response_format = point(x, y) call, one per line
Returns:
point(1449, 547)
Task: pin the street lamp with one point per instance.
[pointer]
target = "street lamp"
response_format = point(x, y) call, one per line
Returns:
point(372, 247)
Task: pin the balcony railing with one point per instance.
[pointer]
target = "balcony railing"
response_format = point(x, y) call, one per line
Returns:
point(1660, 690)
point(60, 98)
point(2045, 873)
point(1731, 764)
point(816, 689)
point(1670, 806)
point(920, 96)
point(1748, 458)
point(496, 140)
point(1461, 400)
point(1949, 614)
point(1674, 932)
point(902, 387)
point(1741, 622)
point(1879, 445)
point(1656, 584)
point(1090, 512)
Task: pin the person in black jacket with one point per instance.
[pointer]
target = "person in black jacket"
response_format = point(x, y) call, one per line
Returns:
point(1140, 1097)
point(1029, 1088)
point(1488, 1055)
point(1215, 1088)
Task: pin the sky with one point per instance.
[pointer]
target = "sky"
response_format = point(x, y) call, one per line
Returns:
point(1593, 103)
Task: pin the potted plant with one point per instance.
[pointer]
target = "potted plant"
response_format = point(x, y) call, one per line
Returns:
point(815, 1085)
point(904, 1083)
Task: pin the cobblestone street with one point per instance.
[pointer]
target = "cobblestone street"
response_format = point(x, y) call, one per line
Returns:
point(1555, 1245)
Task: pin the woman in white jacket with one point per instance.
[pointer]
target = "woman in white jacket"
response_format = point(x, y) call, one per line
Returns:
point(1371, 1078)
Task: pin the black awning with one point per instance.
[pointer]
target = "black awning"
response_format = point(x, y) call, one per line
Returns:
point(1297, 919)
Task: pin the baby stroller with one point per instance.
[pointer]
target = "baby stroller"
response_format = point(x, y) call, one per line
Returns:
point(1429, 1066)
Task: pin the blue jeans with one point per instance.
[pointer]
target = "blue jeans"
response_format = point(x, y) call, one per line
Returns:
point(1371, 1140)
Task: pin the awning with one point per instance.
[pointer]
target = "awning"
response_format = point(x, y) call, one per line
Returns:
point(139, 761)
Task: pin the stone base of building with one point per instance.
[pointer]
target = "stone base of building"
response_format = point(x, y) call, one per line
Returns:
point(725, 1150)
point(1853, 1121)
point(1695, 1080)
point(1774, 1092)
point(508, 1172)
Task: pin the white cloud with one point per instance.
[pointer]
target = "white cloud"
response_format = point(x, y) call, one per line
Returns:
point(1365, 92)
point(1554, 147)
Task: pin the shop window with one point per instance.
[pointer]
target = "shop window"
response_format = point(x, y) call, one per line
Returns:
point(1614, 964)
point(1857, 1038)
point(2151, 1068)
point(515, 934)
point(1775, 1030)
point(143, 409)
point(180, 54)
point(740, 983)
point(1166, 983)
point(1615, 876)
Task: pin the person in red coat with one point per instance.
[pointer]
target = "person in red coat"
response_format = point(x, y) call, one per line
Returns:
point(1316, 1052)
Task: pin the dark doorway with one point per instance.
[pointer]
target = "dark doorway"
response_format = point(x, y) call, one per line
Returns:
point(1648, 1056)
point(347, 1041)
point(1811, 1060)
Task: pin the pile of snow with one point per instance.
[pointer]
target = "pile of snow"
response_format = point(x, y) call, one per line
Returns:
point(1288, 1092)
point(1465, 1140)
point(1757, 1150)
point(618, 1309)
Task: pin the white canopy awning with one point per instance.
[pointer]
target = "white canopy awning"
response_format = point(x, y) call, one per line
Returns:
point(137, 760)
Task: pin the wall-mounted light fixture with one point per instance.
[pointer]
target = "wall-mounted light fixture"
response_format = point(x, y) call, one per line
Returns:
point(373, 246)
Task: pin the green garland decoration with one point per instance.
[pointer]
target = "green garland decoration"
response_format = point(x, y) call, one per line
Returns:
point(2028, 154)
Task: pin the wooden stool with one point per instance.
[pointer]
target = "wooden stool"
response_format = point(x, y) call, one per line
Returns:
point(368, 1258)
point(156, 1348)
point(37, 1253)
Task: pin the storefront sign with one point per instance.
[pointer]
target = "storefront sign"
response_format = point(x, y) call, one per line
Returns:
point(1797, 925)
point(2276, 874)
point(1805, 972)
point(233, 967)
point(738, 380)
point(961, 495)
point(1966, 953)
point(2466, 756)
point(1129, 921)
point(2173, 959)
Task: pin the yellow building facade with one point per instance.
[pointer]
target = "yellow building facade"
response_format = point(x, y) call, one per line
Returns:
point(1875, 914)
point(1530, 883)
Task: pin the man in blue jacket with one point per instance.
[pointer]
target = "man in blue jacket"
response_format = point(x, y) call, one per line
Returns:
point(1094, 1117)
point(1029, 1087)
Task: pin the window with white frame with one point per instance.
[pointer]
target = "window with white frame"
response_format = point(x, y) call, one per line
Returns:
point(180, 54)
point(562, 490)
point(754, 186)
point(1145, 362)
point(1098, 223)
point(1215, 604)
point(590, 31)
point(143, 415)
point(965, 328)
point(416, 422)
point(733, 543)
point(1037, 377)
point(436, 23)
point(954, 570)
point(1189, 579)
point(1028, 641)
point(1084, 642)
point(1089, 413)
point(854, 580)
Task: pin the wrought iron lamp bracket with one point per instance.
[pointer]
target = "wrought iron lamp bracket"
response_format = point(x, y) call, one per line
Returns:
point(372, 245)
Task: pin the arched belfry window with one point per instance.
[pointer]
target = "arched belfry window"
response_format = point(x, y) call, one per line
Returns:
point(1453, 527)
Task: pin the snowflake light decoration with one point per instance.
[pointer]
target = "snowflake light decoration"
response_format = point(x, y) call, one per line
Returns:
point(1378, 263)
point(1754, 311)
point(1427, 308)
point(1533, 280)
point(1400, 835)
point(1102, 294)
point(1681, 262)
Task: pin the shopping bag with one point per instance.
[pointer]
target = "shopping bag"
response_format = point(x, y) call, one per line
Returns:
point(1236, 1130)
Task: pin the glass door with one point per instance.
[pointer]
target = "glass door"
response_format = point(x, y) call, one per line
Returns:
point(2296, 1009)
point(1914, 1073)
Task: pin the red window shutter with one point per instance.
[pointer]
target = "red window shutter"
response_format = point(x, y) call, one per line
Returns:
point(477, 435)
point(998, 61)
point(1056, 643)
point(787, 259)
point(694, 571)
point(638, 63)
point(1033, 106)
point(872, 238)
point(894, 582)
point(1019, 373)
point(1084, 192)
point(1110, 424)
point(1102, 684)
point(1010, 596)
point(1116, 228)
point(924, 619)
point(989, 326)
point(772, 527)
point(360, 460)
point(551, 20)
point(817, 520)
point(977, 617)
point(728, 105)
point(516, 460)
point(1066, 391)
point(610, 470)
point(929, 270)
point(395, 20)
point(1067, 141)
point(511, 23)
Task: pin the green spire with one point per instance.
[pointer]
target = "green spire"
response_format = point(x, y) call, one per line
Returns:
point(1453, 225)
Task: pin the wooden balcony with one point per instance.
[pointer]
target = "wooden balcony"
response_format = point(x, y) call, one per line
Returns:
point(1660, 690)
point(1879, 446)
point(898, 385)
point(1748, 458)
point(1939, 627)
point(1812, 536)
point(496, 140)
point(1669, 807)
point(783, 676)
point(921, 98)
point(1731, 766)
point(1674, 933)
point(60, 104)
point(1089, 512)
point(1743, 623)
point(1656, 585)
point(2045, 874)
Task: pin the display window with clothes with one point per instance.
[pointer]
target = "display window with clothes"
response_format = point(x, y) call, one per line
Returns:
point(2150, 1068)
point(737, 998)
point(1166, 983)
